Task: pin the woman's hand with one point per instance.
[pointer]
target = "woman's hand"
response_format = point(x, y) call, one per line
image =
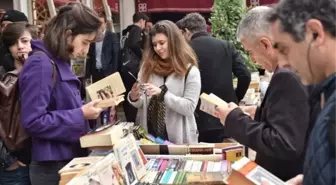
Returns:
point(152, 90)
point(135, 92)
point(90, 111)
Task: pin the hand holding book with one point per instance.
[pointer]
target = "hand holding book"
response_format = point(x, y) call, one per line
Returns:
point(90, 110)
point(217, 107)
point(223, 111)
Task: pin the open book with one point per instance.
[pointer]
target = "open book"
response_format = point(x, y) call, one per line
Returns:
point(210, 102)
point(112, 84)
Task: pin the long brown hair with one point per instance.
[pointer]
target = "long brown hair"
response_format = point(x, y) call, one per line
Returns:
point(180, 53)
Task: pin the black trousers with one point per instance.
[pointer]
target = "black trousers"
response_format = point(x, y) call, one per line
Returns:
point(43, 173)
point(212, 136)
point(97, 74)
point(129, 110)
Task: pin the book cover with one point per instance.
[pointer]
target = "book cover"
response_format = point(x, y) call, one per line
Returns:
point(80, 163)
point(247, 172)
point(130, 160)
point(210, 102)
point(78, 67)
point(112, 84)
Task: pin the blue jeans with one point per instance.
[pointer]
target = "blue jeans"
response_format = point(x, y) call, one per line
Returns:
point(19, 176)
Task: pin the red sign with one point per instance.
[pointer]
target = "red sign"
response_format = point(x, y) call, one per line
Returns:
point(260, 2)
point(174, 5)
point(114, 5)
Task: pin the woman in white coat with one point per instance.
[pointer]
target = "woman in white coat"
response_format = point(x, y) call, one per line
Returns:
point(171, 78)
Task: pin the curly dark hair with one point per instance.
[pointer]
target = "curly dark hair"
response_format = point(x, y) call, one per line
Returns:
point(293, 15)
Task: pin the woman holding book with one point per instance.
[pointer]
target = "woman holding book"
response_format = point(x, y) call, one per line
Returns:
point(51, 106)
point(171, 80)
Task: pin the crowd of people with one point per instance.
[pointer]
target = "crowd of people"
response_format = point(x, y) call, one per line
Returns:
point(165, 67)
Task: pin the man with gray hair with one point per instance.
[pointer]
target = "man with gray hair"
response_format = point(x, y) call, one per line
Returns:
point(277, 129)
point(304, 34)
point(218, 59)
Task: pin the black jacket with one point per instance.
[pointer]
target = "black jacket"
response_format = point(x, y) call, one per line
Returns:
point(279, 130)
point(110, 54)
point(134, 40)
point(218, 59)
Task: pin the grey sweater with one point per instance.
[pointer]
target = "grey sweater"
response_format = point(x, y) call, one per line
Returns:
point(181, 100)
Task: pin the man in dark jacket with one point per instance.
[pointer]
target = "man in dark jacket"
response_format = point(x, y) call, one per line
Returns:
point(307, 44)
point(103, 55)
point(218, 59)
point(133, 42)
point(103, 61)
point(276, 129)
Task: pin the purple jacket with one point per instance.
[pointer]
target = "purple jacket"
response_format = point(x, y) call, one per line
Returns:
point(51, 113)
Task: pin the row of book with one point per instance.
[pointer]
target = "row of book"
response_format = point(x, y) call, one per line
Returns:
point(186, 178)
point(162, 165)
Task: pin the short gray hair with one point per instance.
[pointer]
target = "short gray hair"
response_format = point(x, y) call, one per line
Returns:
point(254, 23)
point(194, 22)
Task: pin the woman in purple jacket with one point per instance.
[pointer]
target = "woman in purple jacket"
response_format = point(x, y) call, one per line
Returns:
point(51, 107)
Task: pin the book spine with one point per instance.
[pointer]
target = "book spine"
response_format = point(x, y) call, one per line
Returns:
point(210, 166)
point(184, 162)
point(224, 166)
point(217, 167)
point(159, 140)
point(201, 151)
point(164, 165)
point(173, 164)
point(188, 166)
point(150, 164)
point(177, 177)
point(172, 177)
point(163, 178)
point(178, 166)
point(205, 165)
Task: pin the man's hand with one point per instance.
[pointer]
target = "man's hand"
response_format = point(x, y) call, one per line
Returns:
point(251, 110)
point(15, 165)
point(223, 111)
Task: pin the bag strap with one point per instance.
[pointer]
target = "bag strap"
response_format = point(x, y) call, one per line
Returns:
point(54, 66)
point(186, 76)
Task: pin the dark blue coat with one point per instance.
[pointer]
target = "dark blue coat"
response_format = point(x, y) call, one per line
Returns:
point(319, 167)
